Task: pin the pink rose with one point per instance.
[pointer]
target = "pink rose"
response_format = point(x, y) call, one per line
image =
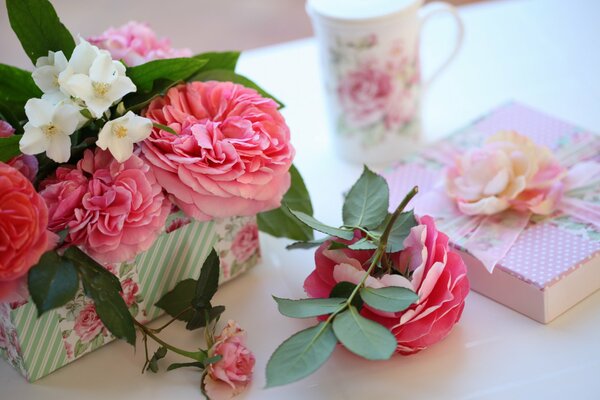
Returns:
point(135, 43)
point(233, 372)
point(509, 171)
point(122, 211)
point(231, 154)
point(364, 95)
point(130, 291)
point(402, 108)
point(63, 195)
point(25, 164)
point(245, 242)
point(24, 236)
point(438, 276)
point(88, 324)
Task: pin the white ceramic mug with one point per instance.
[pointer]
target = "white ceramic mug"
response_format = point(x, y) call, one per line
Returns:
point(370, 59)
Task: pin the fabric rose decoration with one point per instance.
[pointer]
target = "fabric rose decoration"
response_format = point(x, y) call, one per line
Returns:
point(364, 94)
point(437, 274)
point(509, 171)
point(135, 43)
point(230, 375)
point(24, 236)
point(231, 153)
point(112, 210)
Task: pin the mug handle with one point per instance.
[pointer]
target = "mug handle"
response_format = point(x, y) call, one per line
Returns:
point(436, 8)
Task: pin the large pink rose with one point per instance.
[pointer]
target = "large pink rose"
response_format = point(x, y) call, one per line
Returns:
point(88, 324)
point(245, 242)
point(25, 164)
point(135, 43)
point(122, 211)
point(364, 95)
point(438, 276)
point(63, 195)
point(233, 372)
point(24, 236)
point(231, 153)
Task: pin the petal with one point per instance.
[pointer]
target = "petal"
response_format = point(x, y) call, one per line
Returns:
point(82, 58)
point(34, 141)
point(497, 184)
point(78, 85)
point(119, 88)
point(105, 136)
point(102, 69)
point(45, 78)
point(138, 128)
point(66, 118)
point(121, 149)
point(59, 148)
point(39, 111)
point(60, 61)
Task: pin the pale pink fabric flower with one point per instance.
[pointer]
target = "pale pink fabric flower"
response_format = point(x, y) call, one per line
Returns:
point(120, 214)
point(509, 171)
point(245, 242)
point(231, 153)
point(135, 43)
point(25, 164)
point(24, 236)
point(438, 276)
point(230, 375)
point(88, 324)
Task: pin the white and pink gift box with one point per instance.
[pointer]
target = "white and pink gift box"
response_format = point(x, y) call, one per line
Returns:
point(554, 263)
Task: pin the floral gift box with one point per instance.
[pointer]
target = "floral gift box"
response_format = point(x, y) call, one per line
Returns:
point(518, 193)
point(37, 347)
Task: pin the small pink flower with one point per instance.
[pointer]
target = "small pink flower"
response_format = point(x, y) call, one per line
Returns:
point(245, 242)
point(135, 43)
point(69, 350)
point(231, 154)
point(364, 94)
point(24, 236)
point(88, 324)
point(130, 291)
point(438, 276)
point(122, 211)
point(230, 375)
point(6, 130)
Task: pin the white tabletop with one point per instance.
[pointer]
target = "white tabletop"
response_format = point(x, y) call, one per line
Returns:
point(541, 52)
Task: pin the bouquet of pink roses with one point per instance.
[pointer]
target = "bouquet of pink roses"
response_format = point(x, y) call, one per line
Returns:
point(109, 136)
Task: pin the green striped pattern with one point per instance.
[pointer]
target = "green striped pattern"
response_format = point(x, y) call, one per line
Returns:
point(173, 257)
point(41, 341)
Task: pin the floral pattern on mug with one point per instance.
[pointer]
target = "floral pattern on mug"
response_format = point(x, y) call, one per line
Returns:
point(376, 96)
point(237, 245)
point(10, 348)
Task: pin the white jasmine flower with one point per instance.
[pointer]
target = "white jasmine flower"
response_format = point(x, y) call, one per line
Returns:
point(49, 129)
point(119, 135)
point(46, 72)
point(94, 77)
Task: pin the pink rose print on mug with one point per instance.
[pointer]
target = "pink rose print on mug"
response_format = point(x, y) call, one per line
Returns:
point(88, 324)
point(245, 243)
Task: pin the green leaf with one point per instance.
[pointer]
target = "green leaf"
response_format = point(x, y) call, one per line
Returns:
point(172, 69)
point(212, 360)
point(344, 290)
point(280, 222)
point(337, 245)
point(52, 282)
point(178, 299)
point(390, 299)
point(9, 147)
point(198, 319)
point(223, 75)
point(164, 128)
point(16, 87)
point(400, 231)
point(301, 355)
point(104, 289)
point(321, 227)
point(38, 28)
point(363, 244)
point(366, 204)
point(307, 244)
point(159, 354)
point(306, 308)
point(362, 336)
point(226, 60)
point(208, 282)
point(195, 364)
